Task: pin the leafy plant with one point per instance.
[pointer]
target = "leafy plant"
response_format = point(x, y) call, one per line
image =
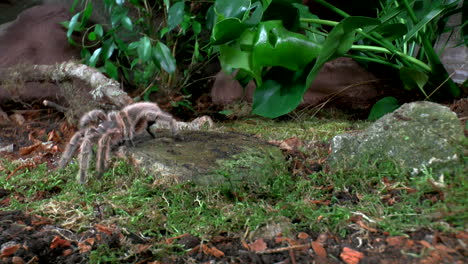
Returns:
point(282, 45)
point(133, 47)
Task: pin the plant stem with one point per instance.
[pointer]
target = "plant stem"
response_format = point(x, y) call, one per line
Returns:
point(319, 21)
point(374, 60)
point(386, 51)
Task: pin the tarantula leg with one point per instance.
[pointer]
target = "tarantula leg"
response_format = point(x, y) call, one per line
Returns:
point(93, 117)
point(85, 154)
point(103, 154)
point(127, 128)
point(70, 149)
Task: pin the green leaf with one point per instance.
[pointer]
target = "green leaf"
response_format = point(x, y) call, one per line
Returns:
point(382, 107)
point(392, 31)
point(196, 27)
point(413, 79)
point(127, 23)
point(176, 15)
point(339, 41)
point(276, 46)
point(280, 93)
point(87, 12)
point(92, 36)
point(210, 18)
point(231, 8)
point(94, 58)
point(164, 57)
point(284, 11)
point(433, 13)
point(98, 30)
point(227, 30)
point(108, 47)
point(117, 15)
point(144, 49)
point(232, 57)
point(111, 70)
point(256, 15)
point(73, 25)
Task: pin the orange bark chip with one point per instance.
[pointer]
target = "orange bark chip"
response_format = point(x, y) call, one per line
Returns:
point(351, 256)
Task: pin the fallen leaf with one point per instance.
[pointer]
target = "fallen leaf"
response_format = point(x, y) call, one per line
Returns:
point(84, 247)
point(53, 136)
point(302, 235)
point(142, 248)
point(213, 251)
point(67, 252)
point(103, 229)
point(396, 241)
point(318, 249)
point(17, 260)
point(5, 202)
point(258, 246)
point(9, 250)
point(351, 256)
point(59, 242)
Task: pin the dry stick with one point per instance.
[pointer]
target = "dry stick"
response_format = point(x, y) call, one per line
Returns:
point(54, 105)
point(446, 80)
point(277, 250)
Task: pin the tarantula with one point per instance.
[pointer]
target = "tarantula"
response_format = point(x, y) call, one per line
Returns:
point(107, 130)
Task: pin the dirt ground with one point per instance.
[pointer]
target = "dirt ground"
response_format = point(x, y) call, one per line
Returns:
point(26, 238)
point(34, 239)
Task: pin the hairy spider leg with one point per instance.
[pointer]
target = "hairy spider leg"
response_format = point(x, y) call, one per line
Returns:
point(147, 118)
point(111, 133)
point(86, 152)
point(93, 118)
point(70, 149)
point(126, 127)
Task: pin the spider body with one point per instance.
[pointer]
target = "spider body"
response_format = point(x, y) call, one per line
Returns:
point(107, 130)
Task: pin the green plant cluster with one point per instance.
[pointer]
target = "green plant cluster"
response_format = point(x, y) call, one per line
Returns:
point(135, 47)
point(278, 43)
point(283, 46)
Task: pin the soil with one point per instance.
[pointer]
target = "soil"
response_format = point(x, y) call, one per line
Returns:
point(26, 238)
point(34, 239)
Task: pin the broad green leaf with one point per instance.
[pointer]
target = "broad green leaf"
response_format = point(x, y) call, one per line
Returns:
point(144, 49)
point(256, 15)
point(98, 30)
point(232, 57)
point(111, 70)
point(94, 58)
point(164, 57)
point(210, 18)
point(392, 31)
point(339, 41)
point(413, 79)
point(231, 8)
point(196, 27)
point(284, 11)
point(117, 15)
point(133, 45)
point(176, 15)
point(382, 107)
point(280, 93)
point(227, 30)
point(127, 23)
point(276, 46)
point(87, 12)
point(108, 47)
point(73, 25)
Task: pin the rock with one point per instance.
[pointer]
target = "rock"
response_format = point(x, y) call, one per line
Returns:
point(207, 158)
point(278, 225)
point(351, 86)
point(416, 136)
point(18, 119)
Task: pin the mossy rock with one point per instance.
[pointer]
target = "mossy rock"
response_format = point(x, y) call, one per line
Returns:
point(207, 158)
point(416, 137)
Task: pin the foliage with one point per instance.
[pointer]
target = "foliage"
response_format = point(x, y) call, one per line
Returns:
point(282, 45)
point(132, 47)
